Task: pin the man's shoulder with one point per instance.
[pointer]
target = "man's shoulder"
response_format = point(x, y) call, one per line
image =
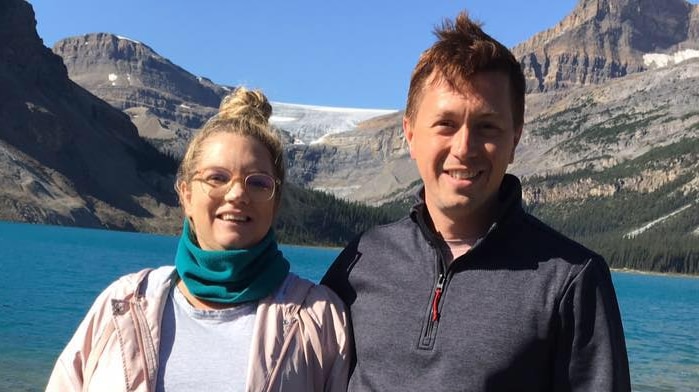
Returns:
point(392, 229)
point(379, 242)
point(538, 234)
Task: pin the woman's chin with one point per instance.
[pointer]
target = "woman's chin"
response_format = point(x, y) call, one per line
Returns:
point(230, 242)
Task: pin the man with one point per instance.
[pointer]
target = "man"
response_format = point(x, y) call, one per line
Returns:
point(469, 292)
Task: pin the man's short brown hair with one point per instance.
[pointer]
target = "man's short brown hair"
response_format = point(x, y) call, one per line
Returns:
point(462, 50)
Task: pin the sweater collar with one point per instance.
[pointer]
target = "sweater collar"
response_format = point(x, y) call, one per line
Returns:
point(509, 195)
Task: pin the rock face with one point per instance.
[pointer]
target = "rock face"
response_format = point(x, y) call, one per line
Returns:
point(168, 104)
point(608, 152)
point(165, 102)
point(67, 157)
point(370, 164)
point(589, 128)
point(606, 39)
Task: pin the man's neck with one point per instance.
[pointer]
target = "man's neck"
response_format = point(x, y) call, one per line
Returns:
point(463, 225)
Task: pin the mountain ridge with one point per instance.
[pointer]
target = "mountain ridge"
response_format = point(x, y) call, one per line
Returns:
point(168, 104)
point(606, 39)
point(598, 160)
point(68, 157)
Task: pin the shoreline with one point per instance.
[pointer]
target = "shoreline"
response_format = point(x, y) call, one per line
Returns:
point(642, 272)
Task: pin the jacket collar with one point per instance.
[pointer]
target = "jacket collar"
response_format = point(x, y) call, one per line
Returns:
point(510, 196)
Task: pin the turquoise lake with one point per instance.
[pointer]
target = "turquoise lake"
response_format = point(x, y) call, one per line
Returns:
point(52, 274)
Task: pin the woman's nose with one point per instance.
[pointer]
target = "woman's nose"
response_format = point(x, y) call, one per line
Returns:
point(235, 191)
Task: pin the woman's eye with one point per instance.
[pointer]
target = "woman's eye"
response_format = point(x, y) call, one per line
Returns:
point(217, 178)
point(260, 182)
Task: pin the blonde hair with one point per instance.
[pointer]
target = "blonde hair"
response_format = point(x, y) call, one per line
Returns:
point(243, 112)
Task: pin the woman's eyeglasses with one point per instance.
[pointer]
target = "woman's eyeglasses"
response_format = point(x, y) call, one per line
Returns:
point(217, 182)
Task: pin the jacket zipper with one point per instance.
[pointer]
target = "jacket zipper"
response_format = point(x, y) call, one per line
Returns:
point(437, 296)
point(139, 326)
point(288, 335)
point(148, 352)
point(433, 316)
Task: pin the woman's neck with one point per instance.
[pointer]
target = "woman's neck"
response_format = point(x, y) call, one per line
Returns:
point(200, 303)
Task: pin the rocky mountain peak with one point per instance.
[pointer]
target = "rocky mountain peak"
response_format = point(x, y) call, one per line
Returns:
point(22, 46)
point(120, 65)
point(104, 44)
point(165, 102)
point(168, 104)
point(604, 39)
point(66, 156)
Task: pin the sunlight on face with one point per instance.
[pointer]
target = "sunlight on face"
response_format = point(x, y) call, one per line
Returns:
point(462, 143)
point(233, 220)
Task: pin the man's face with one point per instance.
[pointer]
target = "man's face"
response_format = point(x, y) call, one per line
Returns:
point(462, 142)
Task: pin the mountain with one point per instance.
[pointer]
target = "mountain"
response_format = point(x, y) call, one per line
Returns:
point(609, 153)
point(606, 39)
point(370, 164)
point(616, 166)
point(67, 157)
point(167, 103)
point(70, 158)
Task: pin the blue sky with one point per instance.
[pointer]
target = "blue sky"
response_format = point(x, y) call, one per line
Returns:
point(320, 52)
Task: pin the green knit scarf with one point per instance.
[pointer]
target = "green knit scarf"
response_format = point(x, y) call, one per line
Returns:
point(230, 276)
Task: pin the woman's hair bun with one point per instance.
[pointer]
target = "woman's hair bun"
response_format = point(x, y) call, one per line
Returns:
point(251, 105)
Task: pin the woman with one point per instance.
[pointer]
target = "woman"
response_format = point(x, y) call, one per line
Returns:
point(229, 315)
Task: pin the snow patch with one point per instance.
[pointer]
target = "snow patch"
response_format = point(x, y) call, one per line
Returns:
point(311, 123)
point(280, 119)
point(647, 226)
point(334, 109)
point(660, 60)
point(127, 39)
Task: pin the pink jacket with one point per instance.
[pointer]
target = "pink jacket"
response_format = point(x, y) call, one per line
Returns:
point(300, 339)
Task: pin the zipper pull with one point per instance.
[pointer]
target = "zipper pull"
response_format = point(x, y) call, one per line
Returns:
point(437, 297)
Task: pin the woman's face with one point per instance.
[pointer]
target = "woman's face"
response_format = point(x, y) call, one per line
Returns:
point(238, 217)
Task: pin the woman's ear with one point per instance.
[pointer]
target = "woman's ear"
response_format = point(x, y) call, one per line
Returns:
point(184, 193)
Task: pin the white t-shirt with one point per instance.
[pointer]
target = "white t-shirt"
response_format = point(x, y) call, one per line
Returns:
point(457, 248)
point(204, 350)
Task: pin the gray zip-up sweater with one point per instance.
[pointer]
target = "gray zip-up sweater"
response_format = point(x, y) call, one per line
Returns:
point(526, 309)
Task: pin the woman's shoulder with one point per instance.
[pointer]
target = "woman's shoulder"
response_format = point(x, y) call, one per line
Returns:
point(145, 282)
point(319, 301)
point(296, 286)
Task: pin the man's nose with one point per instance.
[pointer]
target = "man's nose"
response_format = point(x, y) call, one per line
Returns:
point(464, 143)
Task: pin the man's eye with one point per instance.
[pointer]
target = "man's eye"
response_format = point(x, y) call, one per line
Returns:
point(446, 127)
point(446, 123)
point(489, 129)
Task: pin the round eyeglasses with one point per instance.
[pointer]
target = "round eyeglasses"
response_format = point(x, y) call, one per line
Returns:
point(218, 182)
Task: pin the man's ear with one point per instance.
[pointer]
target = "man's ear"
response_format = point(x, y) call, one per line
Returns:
point(408, 133)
